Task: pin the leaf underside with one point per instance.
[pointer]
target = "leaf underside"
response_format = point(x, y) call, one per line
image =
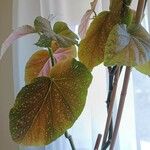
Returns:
point(45, 109)
point(128, 47)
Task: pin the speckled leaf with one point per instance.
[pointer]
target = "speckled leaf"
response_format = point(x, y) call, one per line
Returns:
point(45, 109)
point(64, 38)
point(91, 49)
point(86, 19)
point(129, 48)
point(40, 64)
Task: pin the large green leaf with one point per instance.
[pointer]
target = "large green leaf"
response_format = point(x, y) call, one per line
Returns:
point(48, 106)
point(128, 47)
point(64, 36)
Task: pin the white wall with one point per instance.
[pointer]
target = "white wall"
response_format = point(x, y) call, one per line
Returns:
point(6, 77)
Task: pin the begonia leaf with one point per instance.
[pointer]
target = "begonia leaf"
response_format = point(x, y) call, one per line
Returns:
point(91, 49)
point(43, 27)
point(44, 109)
point(129, 47)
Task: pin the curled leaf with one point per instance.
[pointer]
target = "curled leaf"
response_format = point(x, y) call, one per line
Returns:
point(43, 25)
point(40, 64)
point(16, 34)
point(85, 20)
point(45, 109)
point(62, 29)
point(127, 47)
point(63, 36)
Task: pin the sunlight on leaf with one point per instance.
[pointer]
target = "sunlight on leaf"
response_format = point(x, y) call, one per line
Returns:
point(16, 34)
point(40, 64)
point(45, 109)
point(129, 48)
point(85, 20)
point(35, 65)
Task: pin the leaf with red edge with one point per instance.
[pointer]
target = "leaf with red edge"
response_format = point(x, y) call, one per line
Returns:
point(16, 34)
point(85, 20)
point(40, 64)
point(44, 109)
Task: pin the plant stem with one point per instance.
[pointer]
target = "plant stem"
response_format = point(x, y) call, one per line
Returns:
point(69, 137)
point(112, 73)
point(98, 142)
point(121, 105)
point(51, 56)
point(139, 13)
point(112, 99)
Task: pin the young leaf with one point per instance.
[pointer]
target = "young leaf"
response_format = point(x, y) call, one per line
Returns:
point(85, 20)
point(62, 29)
point(16, 34)
point(91, 49)
point(40, 64)
point(129, 48)
point(45, 109)
point(43, 25)
point(65, 39)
